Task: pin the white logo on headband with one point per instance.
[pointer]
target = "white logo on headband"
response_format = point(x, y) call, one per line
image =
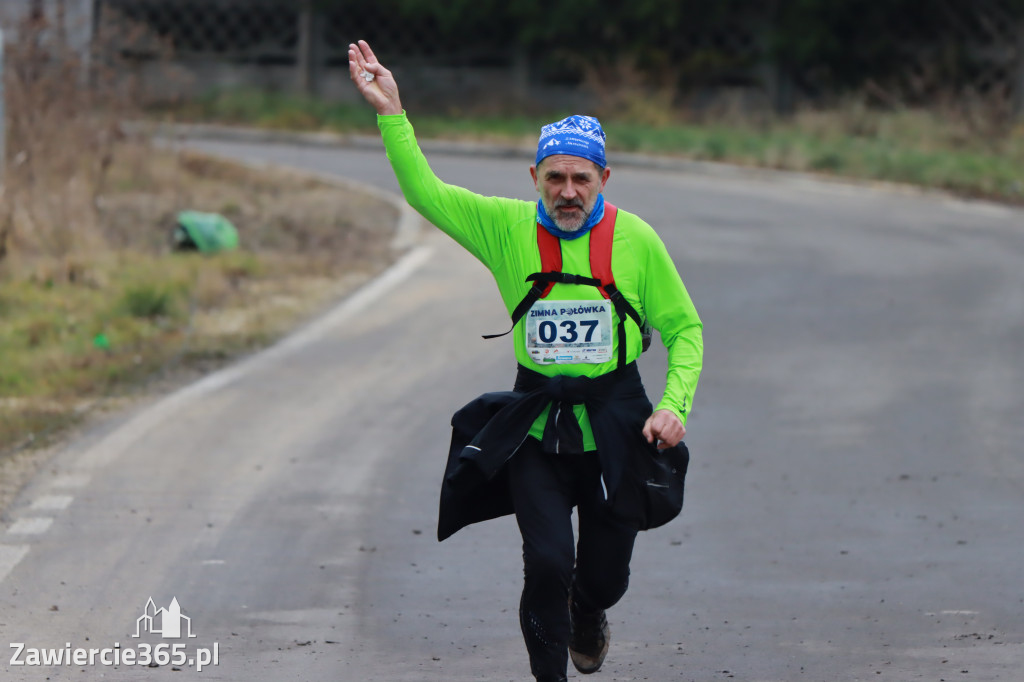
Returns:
point(583, 126)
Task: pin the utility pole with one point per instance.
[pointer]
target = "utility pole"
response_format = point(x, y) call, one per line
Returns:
point(3, 114)
point(310, 53)
point(1018, 81)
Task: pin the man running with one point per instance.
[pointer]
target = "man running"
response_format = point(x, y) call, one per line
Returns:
point(583, 282)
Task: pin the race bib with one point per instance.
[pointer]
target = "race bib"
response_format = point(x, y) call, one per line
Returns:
point(569, 332)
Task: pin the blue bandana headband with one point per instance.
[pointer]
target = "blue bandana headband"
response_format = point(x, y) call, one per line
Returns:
point(576, 136)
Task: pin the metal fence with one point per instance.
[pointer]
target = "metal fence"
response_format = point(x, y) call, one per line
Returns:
point(948, 49)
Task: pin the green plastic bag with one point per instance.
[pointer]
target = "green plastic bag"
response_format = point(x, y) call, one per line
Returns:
point(205, 232)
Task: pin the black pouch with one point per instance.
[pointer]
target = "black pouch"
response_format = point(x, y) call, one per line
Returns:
point(652, 493)
point(666, 486)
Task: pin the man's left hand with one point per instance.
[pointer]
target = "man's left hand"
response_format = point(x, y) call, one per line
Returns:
point(664, 428)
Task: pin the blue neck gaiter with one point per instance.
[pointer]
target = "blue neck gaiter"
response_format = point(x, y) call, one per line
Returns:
point(595, 217)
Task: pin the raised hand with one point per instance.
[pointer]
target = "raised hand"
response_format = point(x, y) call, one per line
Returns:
point(375, 83)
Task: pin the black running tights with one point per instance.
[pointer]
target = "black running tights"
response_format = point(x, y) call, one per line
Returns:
point(545, 488)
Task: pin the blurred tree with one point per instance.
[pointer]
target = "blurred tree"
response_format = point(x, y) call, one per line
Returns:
point(826, 46)
point(839, 45)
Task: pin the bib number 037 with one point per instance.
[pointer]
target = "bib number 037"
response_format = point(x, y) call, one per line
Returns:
point(548, 331)
point(569, 332)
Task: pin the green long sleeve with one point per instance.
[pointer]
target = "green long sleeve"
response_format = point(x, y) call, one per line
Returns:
point(502, 234)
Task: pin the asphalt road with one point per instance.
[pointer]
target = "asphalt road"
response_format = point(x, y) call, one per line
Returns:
point(855, 505)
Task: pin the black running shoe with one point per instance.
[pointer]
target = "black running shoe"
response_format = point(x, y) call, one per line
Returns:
point(589, 637)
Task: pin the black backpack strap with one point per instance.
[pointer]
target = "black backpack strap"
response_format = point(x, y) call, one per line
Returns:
point(562, 278)
point(541, 283)
point(624, 309)
point(622, 306)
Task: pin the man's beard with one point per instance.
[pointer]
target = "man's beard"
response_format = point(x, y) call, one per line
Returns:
point(568, 224)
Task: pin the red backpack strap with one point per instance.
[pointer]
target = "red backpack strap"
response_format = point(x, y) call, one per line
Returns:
point(601, 237)
point(550, 254)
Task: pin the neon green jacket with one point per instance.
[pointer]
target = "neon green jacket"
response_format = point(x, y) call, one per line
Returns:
point(502, 234)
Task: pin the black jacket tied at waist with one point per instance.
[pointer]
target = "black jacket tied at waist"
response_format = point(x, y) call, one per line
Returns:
point(642, 484)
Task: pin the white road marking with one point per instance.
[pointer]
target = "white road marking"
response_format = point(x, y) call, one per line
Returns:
point(213, 562)
point(52, 502)
point(10, 555)
point(31, 525)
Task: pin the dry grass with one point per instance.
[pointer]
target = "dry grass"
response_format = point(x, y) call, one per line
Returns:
point(62, 130)
point(304, 244)
point(94, 302)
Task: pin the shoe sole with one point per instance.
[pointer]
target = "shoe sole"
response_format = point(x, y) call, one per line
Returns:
point(589, 664)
